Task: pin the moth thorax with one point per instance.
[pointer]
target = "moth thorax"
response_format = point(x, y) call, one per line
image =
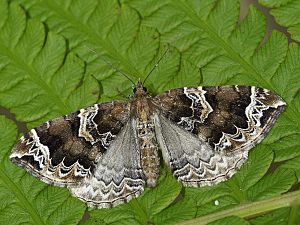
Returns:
point(149, 153)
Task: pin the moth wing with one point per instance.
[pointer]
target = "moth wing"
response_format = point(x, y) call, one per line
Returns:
point(218, 126)
point(192, 160)
point(65, 150)
point(229, 118)
point(118, 175)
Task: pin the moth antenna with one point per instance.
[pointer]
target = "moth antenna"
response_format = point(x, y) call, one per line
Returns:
point(111, 65)
point(156, 65)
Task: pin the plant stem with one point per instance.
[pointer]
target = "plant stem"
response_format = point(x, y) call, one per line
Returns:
point(250, 209)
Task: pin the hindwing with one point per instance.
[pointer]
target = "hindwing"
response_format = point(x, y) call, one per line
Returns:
point(118, 176)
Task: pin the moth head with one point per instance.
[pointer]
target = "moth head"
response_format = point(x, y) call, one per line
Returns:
point(139, 89)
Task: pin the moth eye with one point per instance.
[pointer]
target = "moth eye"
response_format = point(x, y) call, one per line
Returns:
point(145, 89)
point(134, 90)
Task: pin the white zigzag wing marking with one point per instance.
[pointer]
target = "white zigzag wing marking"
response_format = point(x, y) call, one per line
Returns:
point(193, 161)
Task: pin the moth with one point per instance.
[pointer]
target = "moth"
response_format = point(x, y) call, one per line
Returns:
point(107, 153)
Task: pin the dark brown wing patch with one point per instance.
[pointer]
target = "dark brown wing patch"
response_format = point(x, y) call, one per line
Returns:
point(65, 150)
point(227, 117)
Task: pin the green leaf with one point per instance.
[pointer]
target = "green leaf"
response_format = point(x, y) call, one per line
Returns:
point(111, 29)
point(280, 181)
point(293, 164)
point(288, 74)
point(286, 146)
point(248, 35)
point(271, 54)
point(276, 217)
point(207, 194)
point(181, 211)
point(286, 13)
point(45, 77)
point(223, 17)
point(8, 137)
point(217, 205)
point(232, 220)
point(117, 215)
point(47, 70)
point(259, 161)
point(274, 3)
point(258, 208)
point(162, 196)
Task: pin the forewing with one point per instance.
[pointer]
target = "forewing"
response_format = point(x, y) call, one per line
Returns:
point(65, 150)
point(118, 175)
point(229, 118)
point(205, 133)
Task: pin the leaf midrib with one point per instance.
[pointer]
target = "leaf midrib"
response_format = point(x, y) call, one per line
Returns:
point(36, 78)
point(231, 52)
point(217, 39)
point(250, 209)
point(95, 38)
